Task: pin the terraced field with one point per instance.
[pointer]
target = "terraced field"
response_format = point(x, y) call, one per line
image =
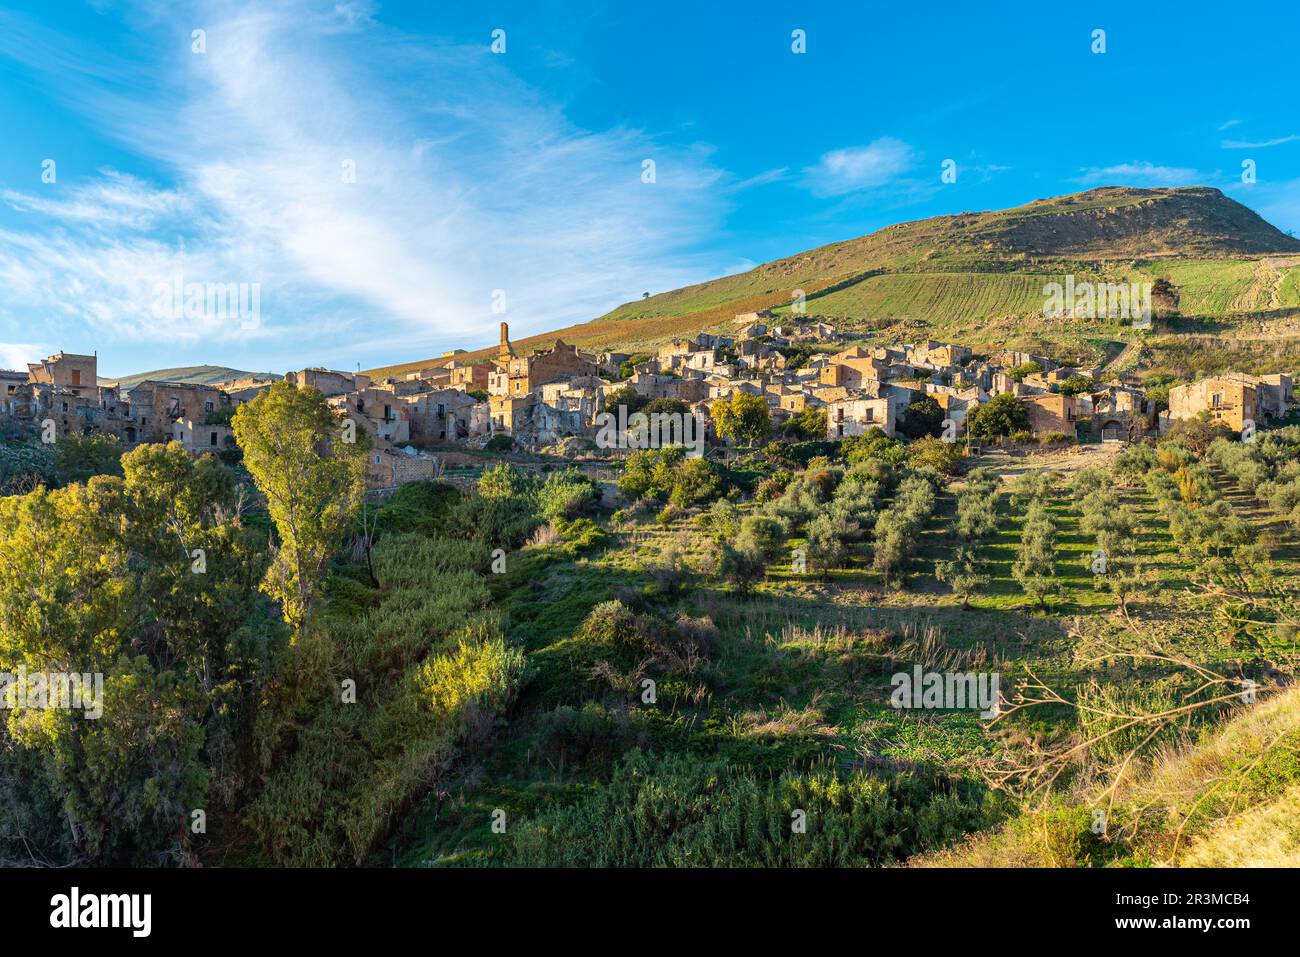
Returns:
point(933, 297)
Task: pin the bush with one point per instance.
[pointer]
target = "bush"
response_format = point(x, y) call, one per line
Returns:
point(743, 566)
point(567, 494)
point(873, 444)
point(499, 522)
point(669, 514)
point(932, 453)
point(590, 734)
point(762, 534)
point(668, 474)
point(423, 507)
point(681, 810)
point(500, 443)
point(23, 467)
point(80, 458)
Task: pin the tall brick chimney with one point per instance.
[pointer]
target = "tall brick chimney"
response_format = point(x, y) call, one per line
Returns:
point(505, 349)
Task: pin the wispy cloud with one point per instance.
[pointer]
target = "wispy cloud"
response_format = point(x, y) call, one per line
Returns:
point(467, 181)
point(114, 201)
point(1141, 173)
point(762, 179)
point(1259, 144)
point(1228, 124)
point(859, 167)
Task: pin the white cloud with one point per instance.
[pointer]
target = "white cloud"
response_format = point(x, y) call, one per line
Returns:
point(762, 179)
point(859, 167)
point(16, 355)
point(1142, 173)
point(114, 201)
point(1260, 144)
point(467, 181)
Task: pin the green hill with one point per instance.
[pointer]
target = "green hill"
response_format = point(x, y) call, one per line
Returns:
point(980, 277)
point(197, 375)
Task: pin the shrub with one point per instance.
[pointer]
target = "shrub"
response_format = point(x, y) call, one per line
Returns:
point(669, 514)
point(743, 566)
point(668, 474)
point(825, 541)
point(682, 810)
point(873, 444)
point(423, 507)
point(500, 522)
point(762, 534)
point(567, 494)
point(930, 452)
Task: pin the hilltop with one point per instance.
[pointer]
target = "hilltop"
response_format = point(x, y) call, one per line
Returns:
point(979, 277)
point(195, 375)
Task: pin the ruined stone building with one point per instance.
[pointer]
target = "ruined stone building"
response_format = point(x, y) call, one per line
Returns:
point(515, 376)
point(857, 416)
point(156, 405)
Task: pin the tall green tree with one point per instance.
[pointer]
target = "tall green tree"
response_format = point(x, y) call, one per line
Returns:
point(149, 582)
point(298, 451)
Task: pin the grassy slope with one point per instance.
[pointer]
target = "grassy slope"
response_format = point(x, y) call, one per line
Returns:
point(801, 677)
point(949, 276)
point(1230, 800)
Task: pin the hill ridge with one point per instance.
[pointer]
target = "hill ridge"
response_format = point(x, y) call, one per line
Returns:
point(918, 276)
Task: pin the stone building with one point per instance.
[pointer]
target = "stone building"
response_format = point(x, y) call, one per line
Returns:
point(517, 376)
point(387, 468)
point(1053, 412)
point(198, 437)
point(445, 415)
point(328, 382)
point(64, 370)
point(383, 415)
point(859, 415)
point(1228, 400)
point(468, 377)
point(155, 405)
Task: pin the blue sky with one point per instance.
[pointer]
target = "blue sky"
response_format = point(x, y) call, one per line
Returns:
point(515, 179)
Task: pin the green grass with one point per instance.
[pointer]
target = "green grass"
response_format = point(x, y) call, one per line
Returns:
point(799, 681)
point(934, 297)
